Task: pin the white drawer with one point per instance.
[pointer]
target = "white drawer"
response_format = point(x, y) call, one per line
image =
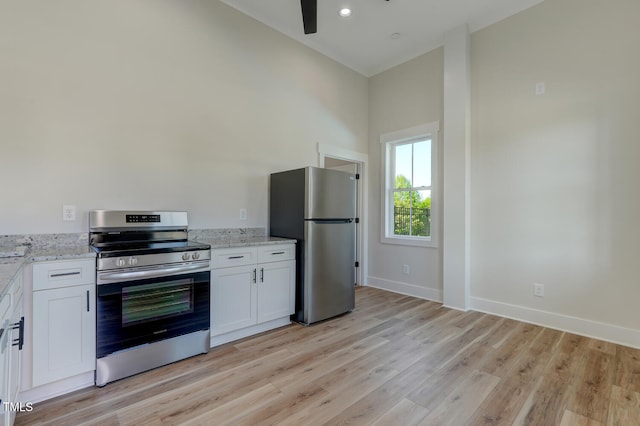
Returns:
point(63, 273)
point(276, 253)
point(224, 258)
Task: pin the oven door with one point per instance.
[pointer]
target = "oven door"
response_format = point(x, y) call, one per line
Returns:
point(134, 313)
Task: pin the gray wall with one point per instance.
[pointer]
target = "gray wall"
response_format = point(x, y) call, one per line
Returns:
point(554, 177)
point(158, 104)
point(402, 97)
point(555, 195)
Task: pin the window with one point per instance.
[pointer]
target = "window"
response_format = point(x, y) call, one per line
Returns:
point(410, 192)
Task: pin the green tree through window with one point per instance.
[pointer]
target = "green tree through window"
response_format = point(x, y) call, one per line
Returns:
point(412, 212)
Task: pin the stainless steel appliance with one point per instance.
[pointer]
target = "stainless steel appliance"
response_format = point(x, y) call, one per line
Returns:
point(153, 291)
point(317, 207)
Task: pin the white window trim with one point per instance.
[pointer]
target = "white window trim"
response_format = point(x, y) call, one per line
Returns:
point(423, 131)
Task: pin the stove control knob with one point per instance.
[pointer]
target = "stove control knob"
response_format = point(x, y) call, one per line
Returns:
point(185, 256)
point(120, 262)
point(133, 261)
point(196, 256)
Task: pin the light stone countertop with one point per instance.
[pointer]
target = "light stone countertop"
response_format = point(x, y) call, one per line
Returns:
point(13, 251)
point(49, 253)
point(10, 266)
point(240, 241)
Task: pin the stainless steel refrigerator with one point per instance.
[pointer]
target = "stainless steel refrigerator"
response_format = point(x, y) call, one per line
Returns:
point(317, 207)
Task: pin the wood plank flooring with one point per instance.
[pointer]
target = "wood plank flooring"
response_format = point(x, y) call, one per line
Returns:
point(395, 360)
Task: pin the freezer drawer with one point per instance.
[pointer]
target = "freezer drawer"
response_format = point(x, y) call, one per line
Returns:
point(329, 271)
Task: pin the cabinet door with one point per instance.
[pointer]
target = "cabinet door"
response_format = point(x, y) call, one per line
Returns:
point(64, 333)
point(233, 298)
point(276, 288)
point(5, 348)
point(15, 358)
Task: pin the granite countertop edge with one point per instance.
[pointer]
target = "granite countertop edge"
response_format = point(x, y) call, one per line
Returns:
point(46, 254)
point(221, 243)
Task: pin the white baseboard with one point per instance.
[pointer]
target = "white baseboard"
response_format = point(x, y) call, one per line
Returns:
point(404, 288)
point(584, 327)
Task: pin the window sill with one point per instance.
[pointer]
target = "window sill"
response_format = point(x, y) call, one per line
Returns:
point(409, 241)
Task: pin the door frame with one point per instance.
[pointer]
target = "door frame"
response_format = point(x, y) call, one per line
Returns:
point(361, 161)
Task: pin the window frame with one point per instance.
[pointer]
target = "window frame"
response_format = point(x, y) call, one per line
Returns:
point(387, 142)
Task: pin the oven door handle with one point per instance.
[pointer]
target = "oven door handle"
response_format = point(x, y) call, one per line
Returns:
point(151, 273)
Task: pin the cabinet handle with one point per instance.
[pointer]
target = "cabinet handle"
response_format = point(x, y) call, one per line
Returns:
point(277, 252)
point(235, 257)
point(63, 274)
point(88, 307)
point(261, 275)
point(19, 342)
point(254, 275)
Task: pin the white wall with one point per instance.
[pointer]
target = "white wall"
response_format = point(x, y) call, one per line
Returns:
point(554, 180)
point(402, 97)
point(158, 104)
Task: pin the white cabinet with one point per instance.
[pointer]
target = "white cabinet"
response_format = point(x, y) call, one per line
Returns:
point(15, 341)
point(64, 320)
point(276, 294)
point(11, 340)
point(252, 290)
point(5, 342)
point(233, 298)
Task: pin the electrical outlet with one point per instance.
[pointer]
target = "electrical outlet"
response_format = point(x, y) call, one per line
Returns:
point(538, 290)
point(243, 214)
point(68, 213)
point(405, 269)
point(540, 88)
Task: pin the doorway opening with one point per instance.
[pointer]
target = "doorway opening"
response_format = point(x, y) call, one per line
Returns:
point(330, 157)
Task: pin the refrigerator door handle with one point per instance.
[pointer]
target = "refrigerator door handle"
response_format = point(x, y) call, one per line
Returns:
point(330, 221)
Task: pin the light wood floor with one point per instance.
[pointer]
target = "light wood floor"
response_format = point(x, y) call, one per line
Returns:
point(395, 360)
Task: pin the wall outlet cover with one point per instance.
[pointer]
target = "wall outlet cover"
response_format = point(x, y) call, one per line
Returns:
point(68, 212)
point(538, 290)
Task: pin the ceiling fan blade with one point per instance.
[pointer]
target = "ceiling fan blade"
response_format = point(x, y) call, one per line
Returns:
point(309, 15)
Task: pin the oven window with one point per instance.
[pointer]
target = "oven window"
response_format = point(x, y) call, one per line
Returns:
point(150, 302)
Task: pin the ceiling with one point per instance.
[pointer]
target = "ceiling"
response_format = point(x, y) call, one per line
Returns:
point(364, 42)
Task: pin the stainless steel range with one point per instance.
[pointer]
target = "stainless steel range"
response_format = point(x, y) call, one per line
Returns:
point(153, 290)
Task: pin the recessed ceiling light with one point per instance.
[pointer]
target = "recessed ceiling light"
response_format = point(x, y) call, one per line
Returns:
point(395, 36)
point(345, 12)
